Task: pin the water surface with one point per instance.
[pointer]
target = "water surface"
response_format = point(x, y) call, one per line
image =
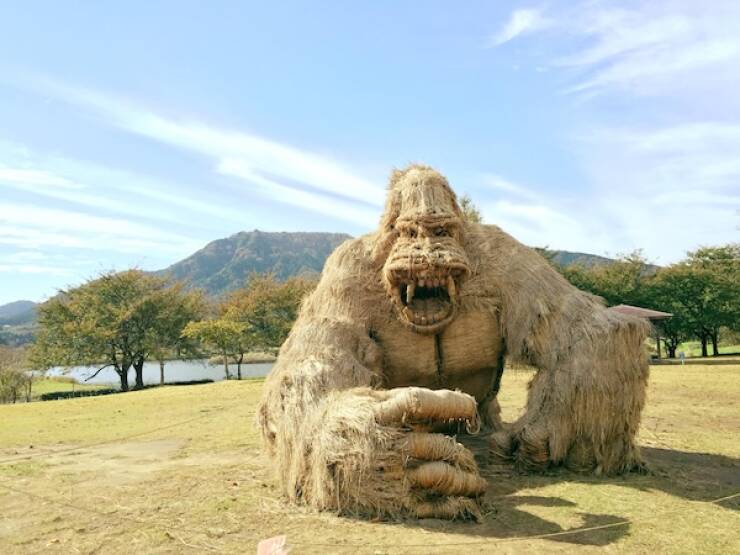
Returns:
point(174, 371)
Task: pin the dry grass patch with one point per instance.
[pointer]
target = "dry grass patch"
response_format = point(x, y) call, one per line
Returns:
point(178, 469)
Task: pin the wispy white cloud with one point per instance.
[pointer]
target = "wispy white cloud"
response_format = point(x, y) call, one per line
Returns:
point(37, 257)
point(31, 226)
point(317, 179)
point(687, 156)
point(335, 208)
point(642, 48)
point(646, 48)
point(539, 217)
point(35, 269)
point(649, 69)
point(509, 187)
point(616, 31)
point(35, 180)
point(665, 177)
point(521, 22)
point(666, 189)
point(544, 224)
point(108, 189)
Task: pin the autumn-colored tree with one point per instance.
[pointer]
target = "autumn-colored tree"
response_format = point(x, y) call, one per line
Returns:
point(177, 308)
point(118, 321)
point(15, 380)
point(227, 337)
point(267, 307)
point(621, 282)
point(258, 316)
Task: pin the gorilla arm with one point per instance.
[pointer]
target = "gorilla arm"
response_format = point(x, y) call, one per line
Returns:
point(340, 443)
point(584, 404)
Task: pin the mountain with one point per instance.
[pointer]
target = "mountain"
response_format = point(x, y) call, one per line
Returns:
point(224, 264)
point(17, 322)
point(566, 258)
point(17, 312)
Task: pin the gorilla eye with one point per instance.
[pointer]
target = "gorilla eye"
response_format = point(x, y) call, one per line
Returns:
point(441, 232)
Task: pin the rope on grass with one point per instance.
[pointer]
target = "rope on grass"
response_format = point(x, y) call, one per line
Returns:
point(517, 538)
point(372, 545)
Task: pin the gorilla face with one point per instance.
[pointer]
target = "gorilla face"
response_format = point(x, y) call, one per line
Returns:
point(426, 265)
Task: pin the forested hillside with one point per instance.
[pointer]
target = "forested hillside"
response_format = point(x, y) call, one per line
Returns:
point(224, 265)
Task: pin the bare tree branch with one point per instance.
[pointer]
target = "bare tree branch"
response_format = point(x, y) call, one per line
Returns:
point(98, 371)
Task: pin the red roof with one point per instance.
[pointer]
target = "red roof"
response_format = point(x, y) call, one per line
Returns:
point(641, 312)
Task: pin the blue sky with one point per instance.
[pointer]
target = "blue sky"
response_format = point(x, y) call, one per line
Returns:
point(133, 133)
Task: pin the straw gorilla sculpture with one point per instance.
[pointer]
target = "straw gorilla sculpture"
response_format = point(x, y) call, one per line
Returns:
point(403, 343)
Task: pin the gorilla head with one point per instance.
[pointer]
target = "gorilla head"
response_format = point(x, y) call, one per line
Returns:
point(425, 264)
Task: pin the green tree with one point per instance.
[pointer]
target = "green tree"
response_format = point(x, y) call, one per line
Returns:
point(702, 291)
point(115, 321)
point(267, 308)
point(257, 316)
point(621, 282)
point(685, 289)
point(663, 292)
point(15, 380)
point(177, 308)
point(720, 269)
point(470, 211)
point(226, 337)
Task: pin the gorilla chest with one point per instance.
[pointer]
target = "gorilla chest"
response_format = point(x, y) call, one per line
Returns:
point(465, 355)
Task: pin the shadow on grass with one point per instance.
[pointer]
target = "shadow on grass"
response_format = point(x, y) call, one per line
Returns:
point(506, 518)
point(692, 476)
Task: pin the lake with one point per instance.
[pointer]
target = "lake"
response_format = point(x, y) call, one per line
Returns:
point(174, 371)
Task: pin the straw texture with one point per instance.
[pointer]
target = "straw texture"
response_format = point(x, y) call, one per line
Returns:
point(349, 431)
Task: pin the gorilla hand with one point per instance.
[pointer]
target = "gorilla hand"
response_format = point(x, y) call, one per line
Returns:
point(440, 476)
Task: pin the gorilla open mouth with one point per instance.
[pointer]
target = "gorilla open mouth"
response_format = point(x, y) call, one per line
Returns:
point(427, 299)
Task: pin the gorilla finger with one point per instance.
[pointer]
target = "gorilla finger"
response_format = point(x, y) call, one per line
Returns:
point(438, 447)
point(408, 404)
point(443, 478)
point(449, 508)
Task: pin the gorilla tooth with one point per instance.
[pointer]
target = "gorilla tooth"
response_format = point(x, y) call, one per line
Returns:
point(410, 292)
point(451, 288)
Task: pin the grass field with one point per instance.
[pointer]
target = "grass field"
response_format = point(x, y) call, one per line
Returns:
point(178, 469)
point(693, 348)
point(60, 384)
